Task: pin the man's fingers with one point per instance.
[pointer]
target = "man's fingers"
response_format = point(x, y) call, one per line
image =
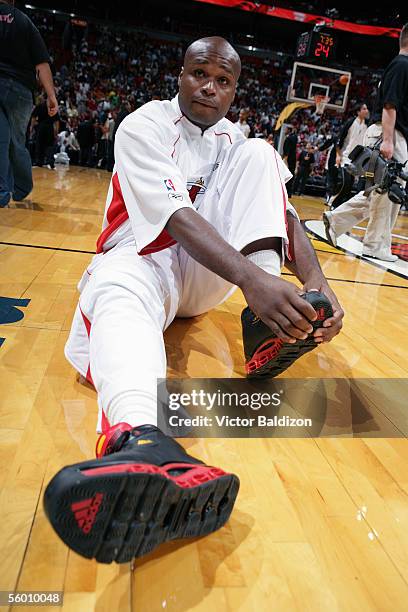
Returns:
point(303, 307)
point(335, 319)
point(325, 335)
point(292, 331)
point(298, 321)
point(279, 331)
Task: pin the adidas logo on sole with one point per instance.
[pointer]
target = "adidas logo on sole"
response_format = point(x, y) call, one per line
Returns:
point(85, 512)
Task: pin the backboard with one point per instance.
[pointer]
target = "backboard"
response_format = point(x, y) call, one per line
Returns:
point(308, 80)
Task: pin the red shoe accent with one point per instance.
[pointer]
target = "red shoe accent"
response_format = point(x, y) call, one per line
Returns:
point(195, 475)
point(125, 467)
point(107, 440)
point(86, 510)
point(267, 351)
point(321, 315)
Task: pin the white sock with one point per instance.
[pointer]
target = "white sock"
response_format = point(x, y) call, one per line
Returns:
point(132, 407)
point(268, 260)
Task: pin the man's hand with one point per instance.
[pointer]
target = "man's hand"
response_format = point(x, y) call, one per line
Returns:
point(387, 149)
point(331, 327)
point(52, 106)
point(279, 305)
point(338, 159)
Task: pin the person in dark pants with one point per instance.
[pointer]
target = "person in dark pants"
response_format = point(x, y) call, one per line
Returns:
point(305, 165)
point(22, 55)
point(86, 140)
point(289, 157)
point(47, 131)
point(124, 111)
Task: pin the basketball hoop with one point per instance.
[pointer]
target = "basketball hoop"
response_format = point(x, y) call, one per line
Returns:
point(321, 103)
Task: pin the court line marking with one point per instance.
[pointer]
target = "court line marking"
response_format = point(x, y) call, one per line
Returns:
point(340, 280)
point(350, 280)
point(381, 265)
point(39, 246)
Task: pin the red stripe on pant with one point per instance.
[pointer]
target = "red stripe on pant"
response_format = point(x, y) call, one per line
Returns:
point(290, 256)
point(105, 422)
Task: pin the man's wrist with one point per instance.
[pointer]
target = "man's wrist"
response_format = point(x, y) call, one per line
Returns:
point(246, 274)
point(316, 278)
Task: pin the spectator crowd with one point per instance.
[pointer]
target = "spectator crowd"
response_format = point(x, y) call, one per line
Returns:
point(102, 74)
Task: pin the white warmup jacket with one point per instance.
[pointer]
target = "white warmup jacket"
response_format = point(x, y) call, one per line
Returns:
point(163, 162)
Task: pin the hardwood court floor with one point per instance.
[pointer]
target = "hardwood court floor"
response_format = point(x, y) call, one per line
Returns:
point(320, 524)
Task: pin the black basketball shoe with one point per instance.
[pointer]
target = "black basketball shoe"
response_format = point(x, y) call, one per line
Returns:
point(266, 355)
point(144, 489)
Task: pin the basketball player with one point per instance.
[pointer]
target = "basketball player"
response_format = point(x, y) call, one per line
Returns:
point(164, 252)
point(390, 128)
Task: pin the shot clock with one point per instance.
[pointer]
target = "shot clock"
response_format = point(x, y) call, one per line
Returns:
point(317, 45)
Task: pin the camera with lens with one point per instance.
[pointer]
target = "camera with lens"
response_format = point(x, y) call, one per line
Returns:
point(396, 191)
point(379, 173)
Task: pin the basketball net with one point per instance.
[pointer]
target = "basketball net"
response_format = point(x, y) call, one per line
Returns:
point(321, 103)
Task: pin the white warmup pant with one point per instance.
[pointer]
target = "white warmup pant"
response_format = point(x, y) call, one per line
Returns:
point(127, 300)
point(376, 206)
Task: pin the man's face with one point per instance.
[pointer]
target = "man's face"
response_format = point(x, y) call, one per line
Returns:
point(207, 84)
point(363, 112)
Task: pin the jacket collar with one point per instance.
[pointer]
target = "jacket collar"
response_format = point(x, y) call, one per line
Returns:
point(190, 128)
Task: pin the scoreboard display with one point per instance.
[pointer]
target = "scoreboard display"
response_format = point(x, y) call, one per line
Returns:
point(316, 45)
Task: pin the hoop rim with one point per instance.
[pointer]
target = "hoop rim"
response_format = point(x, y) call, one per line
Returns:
point(321, 102)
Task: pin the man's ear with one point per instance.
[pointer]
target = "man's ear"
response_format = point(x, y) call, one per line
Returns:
point(180, 75)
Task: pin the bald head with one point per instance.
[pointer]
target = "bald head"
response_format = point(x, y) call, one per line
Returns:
point(208, 80)
point(219, 48)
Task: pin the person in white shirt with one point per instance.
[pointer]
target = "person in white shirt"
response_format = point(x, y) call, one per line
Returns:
point(193, 211)
point(351, 134)
point(242, 124)
point(67, 141)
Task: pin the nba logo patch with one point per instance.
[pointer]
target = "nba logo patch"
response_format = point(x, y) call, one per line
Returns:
point(169, 185)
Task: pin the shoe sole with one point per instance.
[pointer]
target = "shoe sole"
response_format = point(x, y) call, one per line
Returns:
point(116, 514)
point(327, 231)
point(379, 258)
point(274, 356)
